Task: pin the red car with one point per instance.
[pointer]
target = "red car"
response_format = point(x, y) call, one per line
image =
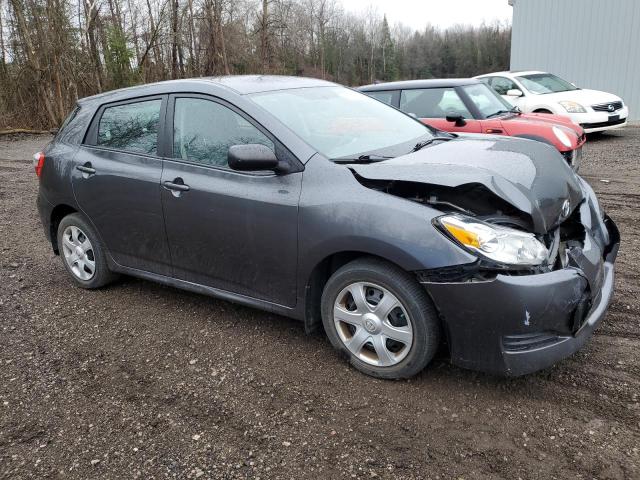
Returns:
point(470, 106)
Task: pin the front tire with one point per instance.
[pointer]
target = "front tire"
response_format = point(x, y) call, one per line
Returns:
point(380, 318)
point(82, 253)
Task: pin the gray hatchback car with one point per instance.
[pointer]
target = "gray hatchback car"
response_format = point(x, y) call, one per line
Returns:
point(308, 199)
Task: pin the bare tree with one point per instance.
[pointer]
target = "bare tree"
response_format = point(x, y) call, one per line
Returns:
point(54, 51)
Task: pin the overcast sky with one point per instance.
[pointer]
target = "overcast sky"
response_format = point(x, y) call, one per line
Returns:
point(442, 13)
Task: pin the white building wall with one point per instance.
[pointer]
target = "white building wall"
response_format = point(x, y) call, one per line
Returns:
point(592, 43)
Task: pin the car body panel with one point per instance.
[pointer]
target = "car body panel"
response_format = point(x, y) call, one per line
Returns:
point(530, 181)
point(125, 190)
point(234, 231)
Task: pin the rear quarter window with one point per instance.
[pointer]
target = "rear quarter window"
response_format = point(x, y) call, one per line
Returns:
point(386, 96)
point(131, 127)
point(66, 122)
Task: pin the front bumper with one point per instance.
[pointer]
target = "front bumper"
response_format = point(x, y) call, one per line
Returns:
point(514, 325)
point(44, 210)
point(593, 121)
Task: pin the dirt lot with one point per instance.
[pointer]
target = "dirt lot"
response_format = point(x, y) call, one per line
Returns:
point(140, 380)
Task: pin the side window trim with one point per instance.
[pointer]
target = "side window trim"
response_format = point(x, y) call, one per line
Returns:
point(282, 152)
point(518, 84)
point(467, 102)
point(91, 137)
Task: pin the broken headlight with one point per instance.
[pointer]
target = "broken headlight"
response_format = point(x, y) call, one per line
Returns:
point(501, 244)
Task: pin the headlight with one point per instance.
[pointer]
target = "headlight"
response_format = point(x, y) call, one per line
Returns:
point(573, 107)
point(562, 136)
point(500, 244)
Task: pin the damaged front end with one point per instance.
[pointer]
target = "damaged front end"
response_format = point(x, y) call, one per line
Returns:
point(536, 297)
point(514, 321)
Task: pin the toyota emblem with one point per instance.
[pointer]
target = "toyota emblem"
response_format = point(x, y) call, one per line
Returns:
point(566, 209)
point(611, 108)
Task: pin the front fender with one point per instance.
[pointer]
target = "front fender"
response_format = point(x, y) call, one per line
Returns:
point(348, 217)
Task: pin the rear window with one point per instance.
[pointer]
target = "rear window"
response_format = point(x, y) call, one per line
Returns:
point(132, 127)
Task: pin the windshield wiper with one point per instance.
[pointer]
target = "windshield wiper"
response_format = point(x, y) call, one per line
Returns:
point(424, 143)
point(500, 112)
point(369, 158)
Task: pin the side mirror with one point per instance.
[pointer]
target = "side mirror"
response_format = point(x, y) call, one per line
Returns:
point(251, 157)
point(514, 92)
point(458, 119)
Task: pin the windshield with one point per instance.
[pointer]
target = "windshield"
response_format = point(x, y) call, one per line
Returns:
point(486, 100)
point(339, 122)
point(541, 83)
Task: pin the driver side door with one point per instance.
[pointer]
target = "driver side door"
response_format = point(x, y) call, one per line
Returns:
point(230, 230)
point(432, 105)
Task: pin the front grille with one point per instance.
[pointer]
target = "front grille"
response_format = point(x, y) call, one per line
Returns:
point(607, 107)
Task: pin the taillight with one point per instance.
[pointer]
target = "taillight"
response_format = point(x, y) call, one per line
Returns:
point(38, 162)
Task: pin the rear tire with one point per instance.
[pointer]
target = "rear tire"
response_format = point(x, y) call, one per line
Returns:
point(380, 318)
point(82, 253)
point(543, 110)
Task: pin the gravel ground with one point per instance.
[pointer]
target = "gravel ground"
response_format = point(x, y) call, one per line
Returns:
point(141, 380)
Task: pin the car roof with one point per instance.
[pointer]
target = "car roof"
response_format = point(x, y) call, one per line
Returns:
point(240, 84)
point(510, 73)
point(244, 84)
point(411, 84)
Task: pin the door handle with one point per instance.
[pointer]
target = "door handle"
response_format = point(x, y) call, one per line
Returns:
point(177, 185)
point(86, 168)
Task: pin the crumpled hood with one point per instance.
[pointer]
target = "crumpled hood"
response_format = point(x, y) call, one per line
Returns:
point(530, 175)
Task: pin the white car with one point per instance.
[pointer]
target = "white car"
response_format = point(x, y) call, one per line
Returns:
point(541, 92)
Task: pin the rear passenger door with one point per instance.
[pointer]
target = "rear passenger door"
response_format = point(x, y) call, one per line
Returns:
point(432, 105)
point(235, 231)
point(116, 181)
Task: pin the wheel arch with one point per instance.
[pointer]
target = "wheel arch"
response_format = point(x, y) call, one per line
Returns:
point(57, 214)
point(542, 110)
point(320, 274)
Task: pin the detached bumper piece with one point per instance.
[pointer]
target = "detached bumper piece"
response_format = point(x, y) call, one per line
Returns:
point(517, 324)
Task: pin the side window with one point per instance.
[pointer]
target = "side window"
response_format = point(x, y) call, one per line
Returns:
point(66, 122)
point(386, 96)
point(433, 103)
point(502, 85)
point(132, 127)
point(204, 130)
